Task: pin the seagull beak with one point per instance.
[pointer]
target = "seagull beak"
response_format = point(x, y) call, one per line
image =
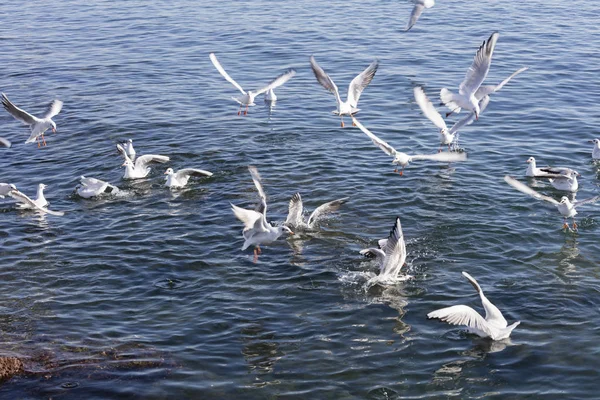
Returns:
point(122, 165)
point(166, 173)
point(292, 233)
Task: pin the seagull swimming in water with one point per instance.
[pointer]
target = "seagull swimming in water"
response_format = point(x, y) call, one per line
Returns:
point(358, 84)
point(38, 125)
point(546, 172)
point(493, 326)
point(92, 187)
point(564, 206)
point(257, 230)
point(596, 149)
point(404, 159)
point(5, 188)
point(180, 178)
point(141, 167)
point(391, 255)
point(295, 218)
point(465, 98)
point(26, 203)
point(248, 97)
point(420, 5)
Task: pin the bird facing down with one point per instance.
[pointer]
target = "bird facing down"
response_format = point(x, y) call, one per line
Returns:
point(180, 178)
point(404, 159)
point(247, 98)
point(564, 206)
point(446, 135)
point(257, 230)
point(390, 255)
point(465, 98)
point(141, 167)
point(358, 84)
point(37, 125)
point(26, 203)
point(295, 219)
point(420, 5)
point(596, 149)
point(494, 325)
point(92, 187)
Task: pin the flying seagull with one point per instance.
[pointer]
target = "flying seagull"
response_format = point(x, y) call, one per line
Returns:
point(420, 5)
point(295, 218)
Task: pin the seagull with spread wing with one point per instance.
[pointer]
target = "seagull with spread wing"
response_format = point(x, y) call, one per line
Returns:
point(465, 98)
point(391, 255)
point(257, 230)
point(180, 178)
point(446, 135)
point(141, 167)
point(564, 206)
point(247, 98)
point(296, 220)
point(26, 203)
point(38, 125)
point(493, 326)
point(358, 84)
point(420, 5)
point(404, 159)
point(92, 187)
point(5, 188)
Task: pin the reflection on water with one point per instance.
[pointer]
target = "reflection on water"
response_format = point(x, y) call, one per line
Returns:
point(260, 350)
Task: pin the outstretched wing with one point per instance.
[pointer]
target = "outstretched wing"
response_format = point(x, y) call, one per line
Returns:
point(142, 162)
point(461, 315)
point(428, 109)
point(389, 150)
point(444, 156)
point(586, 201)
point(186, 172)
point(263, 197)
point(121, 150)
point(23, 198)
point(414, 16)
point(250, 218)
point(325, 209)
point(295, 209)
point(527, 190)
point(53, 109)
point(485, 90)
point(395, 251)
point(324, 79)
point(360, 82)
point(219, 68)
point(480, 67)
point(280, 80)
point(5, 142)
point(16, 112)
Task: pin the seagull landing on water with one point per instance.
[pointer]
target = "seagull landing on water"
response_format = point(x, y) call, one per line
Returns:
point(404, 159)
point(596, 150)
point(256, 228)
point(446, 135)
point(465, 98)
point(493, 326)
point(180, 178)
point(420, 5)
point(295, 219)
point(248, 97)
point(38, 125)
point(391, 255)
point(358, 84)
point(564, 206)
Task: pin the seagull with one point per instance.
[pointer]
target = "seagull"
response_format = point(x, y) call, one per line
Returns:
point(420, 5)
point(38, 125)
point(256, 228)
point(358, 84)
point(92, 187)
point(493, 326)
point(140, 169)
point(27, 203)
point(390, 255)
point(5, 188)
point(270, 96)
point(295, 219)
point(596, 150)
point(446, 136)
point(180, 178)
point(465, 98)
point(5, 142)
point(404, 159)
point(567, 182)
point(128, 147)
point(40, 200)
point(546, 172)
point(564, 206)
point(247, 98)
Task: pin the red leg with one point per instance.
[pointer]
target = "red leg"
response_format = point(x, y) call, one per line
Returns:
point(246, 111)
point(44, 139)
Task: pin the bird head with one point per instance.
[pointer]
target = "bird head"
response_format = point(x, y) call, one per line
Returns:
point(595, 141)
point(287, 230)
point(564, 200)
point(169, 171)
point(127, 163)
point(530, 160)
point(42, 186)
point(53, 126)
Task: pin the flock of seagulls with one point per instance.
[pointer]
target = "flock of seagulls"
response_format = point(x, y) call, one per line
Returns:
point(390, 253)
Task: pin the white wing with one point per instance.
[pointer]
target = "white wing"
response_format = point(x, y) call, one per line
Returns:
point(295, 209)
point(462, 315)
point(93, 183)
point(53, 109)
point(280, 80)
point(395, 251)
point(480, 67)
point(389, 150)
point(527, 190)
point(325, 209)
point(445, 156)
point(360, 82)
point(143, 161)
point(219, 68)
point(16, 112)
point(374, 253)
point(489, 89)
point(250, 218)
point(428, 109)
point(5, 142)
point(414, 16)
point(191, 172)
point(324, 79)
point(23, 198)
point(263, 197)
point(470, 118)
point(586, 201)
point(121, 150)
